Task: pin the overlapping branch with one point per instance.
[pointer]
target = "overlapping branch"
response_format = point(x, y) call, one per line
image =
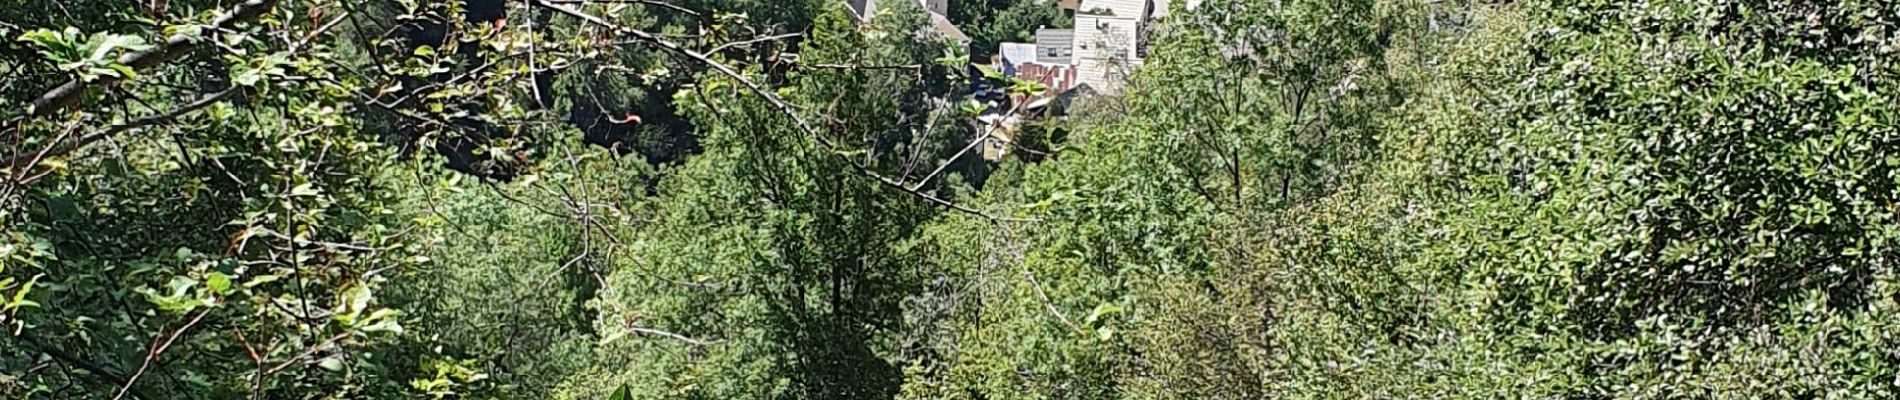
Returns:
point(62, 148)
point(67, 95)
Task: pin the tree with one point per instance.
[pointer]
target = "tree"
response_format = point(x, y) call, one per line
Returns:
point(1291, 199)
point(990, 22)
point(233, 243)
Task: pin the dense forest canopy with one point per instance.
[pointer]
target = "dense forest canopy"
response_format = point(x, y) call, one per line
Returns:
point(717, 199)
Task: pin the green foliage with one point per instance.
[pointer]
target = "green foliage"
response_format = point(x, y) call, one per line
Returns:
point(761, 270)
point(89, 57)
point(989, 22)
point(1607, 200)
point(1291, 199)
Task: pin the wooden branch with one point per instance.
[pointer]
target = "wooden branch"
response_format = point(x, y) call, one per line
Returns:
point(28, 159)
point(67, 95)
point(95, 370)
point(655, 3)
point(158, 349)
point(859, 67)
point(756, 40)
point(979, 141)
point(305, 354)
point(671, 335)
point(985, 137)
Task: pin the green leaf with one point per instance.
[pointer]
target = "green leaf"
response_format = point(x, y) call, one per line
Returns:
point(261, 279)
point(45, 38)
point(1100, 311)
point(620, 394)
point(305, 190)
point(383, 320)
point(332, 364)
point(191, 33)
point(56, 46)
point(181, 284)
point(218, 282)
point(19, 297)
point(176, 299)
point(104, 44)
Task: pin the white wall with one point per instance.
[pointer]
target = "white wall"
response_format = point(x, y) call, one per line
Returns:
point(1105, 44)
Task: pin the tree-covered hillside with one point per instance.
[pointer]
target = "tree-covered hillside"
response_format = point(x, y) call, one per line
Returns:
point(773, 199)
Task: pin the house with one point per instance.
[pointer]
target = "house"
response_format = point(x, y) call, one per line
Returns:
point(1068, 6)
point(1055, 46)
point(1028, 61)
point(999, 134)
point(1011, 55)
point(938, 9)
point(1107, 41)
point(942, 26)
point(1110, 38)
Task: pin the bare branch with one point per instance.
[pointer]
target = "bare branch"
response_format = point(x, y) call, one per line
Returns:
point(305, 354)
point(655, 3)
point(674, 336)
point(157, 350)
point(854, 67)
point(96, 370)
point(30, 159)
point(980, 139)
point(987, 134)
point(756, 40)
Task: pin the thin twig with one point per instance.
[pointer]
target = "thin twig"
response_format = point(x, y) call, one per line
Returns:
point(306, 353)
point(674, 336)
point(655, 3)
point(158, 350)
point(95, 370)
point(988, 133)
point(1011, 248)
point(746, 42)
point(30, 159)
point(312, 36)
point(859, 67)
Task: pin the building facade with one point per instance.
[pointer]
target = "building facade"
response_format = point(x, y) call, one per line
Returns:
point(938, 10)
point(1107, 38)
point(1055, 46)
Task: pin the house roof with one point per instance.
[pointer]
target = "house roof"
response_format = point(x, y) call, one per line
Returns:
point(943, 26)
point(1018, 53)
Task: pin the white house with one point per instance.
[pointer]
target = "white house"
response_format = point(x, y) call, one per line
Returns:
point(1110, 39)
point(938, 9)
point(1107, 34)
point(1055, 46)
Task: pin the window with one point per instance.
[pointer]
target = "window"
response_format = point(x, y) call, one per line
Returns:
point(1051, 52)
